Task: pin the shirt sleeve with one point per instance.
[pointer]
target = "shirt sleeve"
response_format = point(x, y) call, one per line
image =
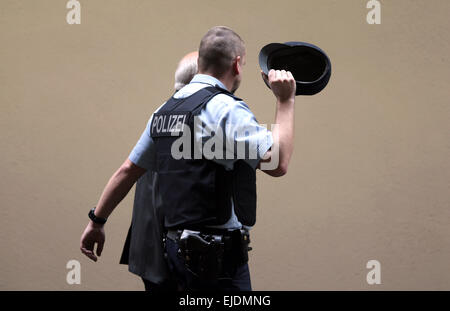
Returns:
point(143, 153)
point(245, 139)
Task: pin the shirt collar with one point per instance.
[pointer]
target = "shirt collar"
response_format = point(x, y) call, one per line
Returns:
point(207, 79)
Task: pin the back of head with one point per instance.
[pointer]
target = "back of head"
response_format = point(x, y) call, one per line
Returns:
point(218, 48)
point(186, 70)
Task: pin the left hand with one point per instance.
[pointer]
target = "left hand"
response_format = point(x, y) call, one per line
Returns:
point(94, 233)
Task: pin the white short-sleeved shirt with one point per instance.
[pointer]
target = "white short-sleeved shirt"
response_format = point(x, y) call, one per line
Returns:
point(236, 120)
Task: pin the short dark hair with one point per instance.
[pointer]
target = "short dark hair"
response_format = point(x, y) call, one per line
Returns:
point(219, 46)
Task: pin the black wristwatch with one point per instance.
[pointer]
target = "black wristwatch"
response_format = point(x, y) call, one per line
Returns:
point(97, 220)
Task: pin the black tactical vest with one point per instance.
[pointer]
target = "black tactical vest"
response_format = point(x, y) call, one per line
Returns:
point(196, 192)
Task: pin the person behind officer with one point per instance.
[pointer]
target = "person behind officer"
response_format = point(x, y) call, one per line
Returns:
point(145, 256)
point(143, 251)
point(186, 70)
point(215, 198)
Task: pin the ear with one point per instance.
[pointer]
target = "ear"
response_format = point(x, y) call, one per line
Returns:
point(237, 65)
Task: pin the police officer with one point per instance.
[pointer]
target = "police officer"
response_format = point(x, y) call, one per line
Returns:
point(209, 201)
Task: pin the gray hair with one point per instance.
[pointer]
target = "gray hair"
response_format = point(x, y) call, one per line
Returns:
point(186, 70)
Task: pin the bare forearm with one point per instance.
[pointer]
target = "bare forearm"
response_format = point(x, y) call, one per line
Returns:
point(284, 131)
point(117, 188)
point(283, 87)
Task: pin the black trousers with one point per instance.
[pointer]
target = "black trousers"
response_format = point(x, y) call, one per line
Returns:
point(185, 280)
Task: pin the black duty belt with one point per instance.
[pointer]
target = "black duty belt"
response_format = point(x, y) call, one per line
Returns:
point(212, 253)
point(175, 235)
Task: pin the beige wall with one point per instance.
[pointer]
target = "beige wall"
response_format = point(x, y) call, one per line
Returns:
point(369, 179)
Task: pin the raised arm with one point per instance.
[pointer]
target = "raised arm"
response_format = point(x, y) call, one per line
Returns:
point(283, 87)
